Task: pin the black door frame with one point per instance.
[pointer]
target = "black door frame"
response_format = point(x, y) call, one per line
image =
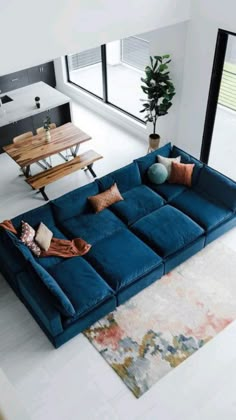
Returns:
point(217, 69)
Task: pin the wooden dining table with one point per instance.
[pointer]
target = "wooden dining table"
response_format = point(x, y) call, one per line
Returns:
point(36, 148)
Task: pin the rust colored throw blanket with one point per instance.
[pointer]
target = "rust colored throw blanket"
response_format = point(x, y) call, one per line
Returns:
point(66, 249)
point(59, 247)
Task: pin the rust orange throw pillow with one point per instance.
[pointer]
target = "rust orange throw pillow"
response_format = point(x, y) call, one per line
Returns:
point(181, 173)
point(105, 199)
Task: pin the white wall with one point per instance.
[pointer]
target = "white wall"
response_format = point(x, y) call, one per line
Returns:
point(207, 17)
point(169, 40)
point(32, 32)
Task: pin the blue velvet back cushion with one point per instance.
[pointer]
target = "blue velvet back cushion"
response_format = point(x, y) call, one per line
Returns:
point(34, 217)
point(219, 186)
point(126, 178)
point(145, 162)
point(59, 299)
point(74, 203)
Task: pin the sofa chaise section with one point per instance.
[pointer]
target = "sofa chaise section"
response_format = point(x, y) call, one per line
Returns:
point(170, 233)
point(58, 328)
point(126, 263)
point(70, 294)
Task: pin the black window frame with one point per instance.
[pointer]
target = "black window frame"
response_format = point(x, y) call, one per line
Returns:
point(214, 90)
point(105, 85)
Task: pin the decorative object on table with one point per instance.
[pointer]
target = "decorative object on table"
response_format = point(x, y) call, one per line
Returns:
point(40, 130)
point(37, 101)
point(157, 173)
point(159, 90)
point(161, 327)
point(47, 128)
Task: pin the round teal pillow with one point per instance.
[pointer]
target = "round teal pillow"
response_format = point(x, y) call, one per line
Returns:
point(157, 173)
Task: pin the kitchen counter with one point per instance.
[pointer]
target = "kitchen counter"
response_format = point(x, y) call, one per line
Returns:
point(23, 104)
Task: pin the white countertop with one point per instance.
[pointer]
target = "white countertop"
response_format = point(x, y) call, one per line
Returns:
point(23, 104)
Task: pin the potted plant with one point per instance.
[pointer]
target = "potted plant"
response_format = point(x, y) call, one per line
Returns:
point(37, 101)
point(159, 90)
point(47, 128)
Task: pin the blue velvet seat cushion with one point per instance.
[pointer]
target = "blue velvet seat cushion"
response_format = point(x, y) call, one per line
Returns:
point(92, 227)
point(167, 230)
point(80, 282)
point(137, 202)
point(219, 186)
point(34, 217)
point(122, 258)
point(166, 190)
point(206, 211)
point(145, 162)
point(59, 299)
point(126, 178)
point(187, 158)
point(74, 203)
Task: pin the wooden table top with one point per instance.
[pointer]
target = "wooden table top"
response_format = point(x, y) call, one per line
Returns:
point(36, 148)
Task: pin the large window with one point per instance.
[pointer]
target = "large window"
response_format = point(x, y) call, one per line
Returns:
point(112, 72)
point(85, 70)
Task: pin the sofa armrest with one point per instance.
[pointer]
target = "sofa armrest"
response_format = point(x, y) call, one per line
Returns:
point(218, 186)
point(37, 299)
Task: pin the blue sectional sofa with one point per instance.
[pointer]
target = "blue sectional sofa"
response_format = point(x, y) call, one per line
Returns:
point(134, 242)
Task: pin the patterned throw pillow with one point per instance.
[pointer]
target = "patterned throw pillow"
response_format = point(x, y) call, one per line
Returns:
point(105, 199)
point(27, 233)
point(27, 237)
point(167, 162)
point(34, 248)
point(181, 173)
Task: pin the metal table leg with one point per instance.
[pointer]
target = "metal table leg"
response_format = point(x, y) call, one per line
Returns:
point(90, 168)
point(26, 171)
point(75, 151)
point(42, 190)
point(63, 157)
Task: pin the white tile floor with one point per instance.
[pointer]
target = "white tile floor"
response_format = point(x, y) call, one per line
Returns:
point(74, 382)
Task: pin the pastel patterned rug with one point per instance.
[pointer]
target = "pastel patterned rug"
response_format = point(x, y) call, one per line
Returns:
point(164, 324)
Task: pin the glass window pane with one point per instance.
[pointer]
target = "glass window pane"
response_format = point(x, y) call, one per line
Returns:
point(126, 60)
point(85, 70)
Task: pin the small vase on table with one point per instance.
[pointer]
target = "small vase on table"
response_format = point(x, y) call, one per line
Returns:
point(47, 136)
point(47, 126)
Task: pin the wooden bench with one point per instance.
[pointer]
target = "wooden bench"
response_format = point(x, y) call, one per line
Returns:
point(41, 180)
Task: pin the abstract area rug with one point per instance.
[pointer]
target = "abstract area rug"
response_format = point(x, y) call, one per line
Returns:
point(163, 325)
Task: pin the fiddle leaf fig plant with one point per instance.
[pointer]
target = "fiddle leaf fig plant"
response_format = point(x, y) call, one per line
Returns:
point(158, 87)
